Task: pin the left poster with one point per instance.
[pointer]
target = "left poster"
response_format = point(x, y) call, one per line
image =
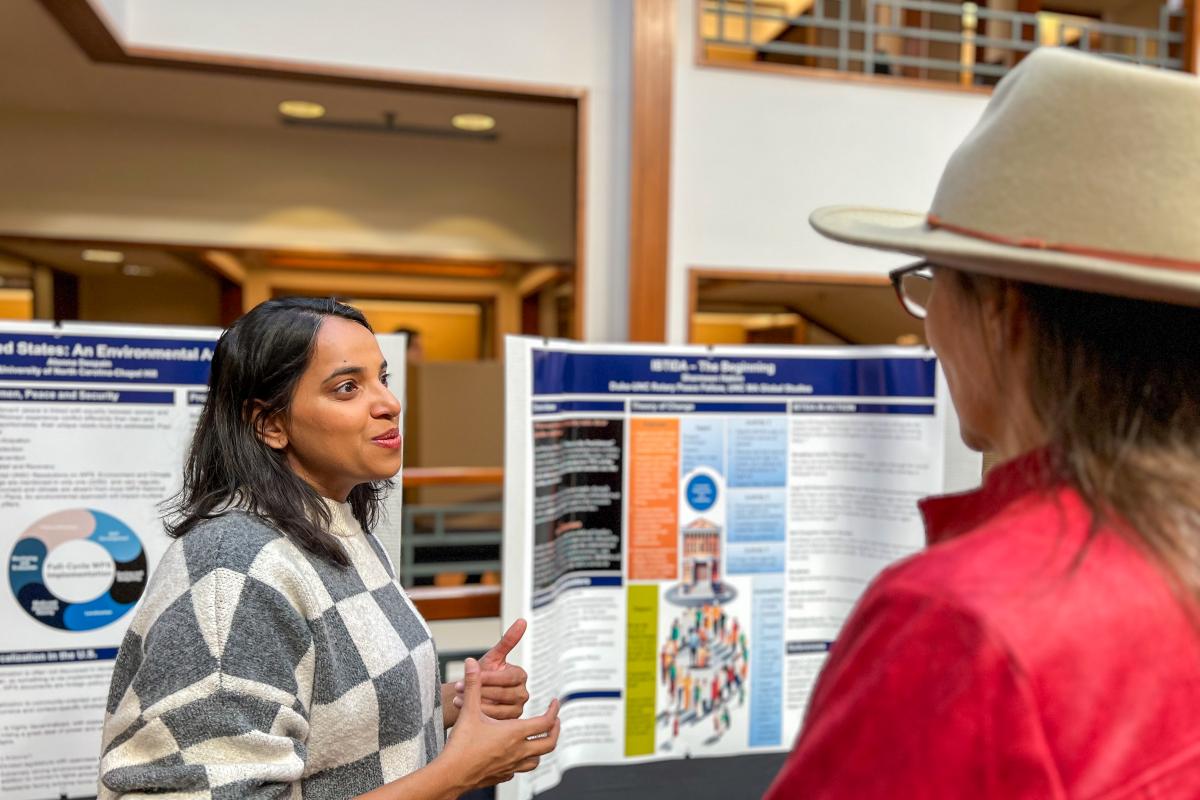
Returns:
point(94, 424)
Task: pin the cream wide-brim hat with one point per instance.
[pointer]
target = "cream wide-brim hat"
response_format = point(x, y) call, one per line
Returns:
point(1083, 173)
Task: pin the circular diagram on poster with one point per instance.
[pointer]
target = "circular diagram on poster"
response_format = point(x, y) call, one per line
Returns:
point(701, 492)
point(77, 570)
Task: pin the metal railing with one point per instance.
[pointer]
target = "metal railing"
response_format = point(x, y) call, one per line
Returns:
point(428, 529)
point(870, 36)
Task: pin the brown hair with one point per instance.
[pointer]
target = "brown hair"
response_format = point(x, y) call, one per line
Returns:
point(1115, 384)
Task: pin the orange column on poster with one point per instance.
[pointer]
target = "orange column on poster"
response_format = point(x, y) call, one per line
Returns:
point(654, 499)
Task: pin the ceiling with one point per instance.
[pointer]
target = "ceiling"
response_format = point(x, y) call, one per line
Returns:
point(185, 264)
point(857, 312)
point(43, 70)
point(69, 258)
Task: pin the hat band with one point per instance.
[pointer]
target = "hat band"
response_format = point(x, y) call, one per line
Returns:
point(934, 221)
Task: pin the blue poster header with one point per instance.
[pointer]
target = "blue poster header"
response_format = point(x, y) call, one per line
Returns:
point(567, 373)
point(569, 582)
point(23, 658)
point(817, 407)
point(607, 406)
point(104, 359)
point(676, 407)
point(31, 394)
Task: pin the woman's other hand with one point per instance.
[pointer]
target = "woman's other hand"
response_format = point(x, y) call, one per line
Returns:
point(487, 751)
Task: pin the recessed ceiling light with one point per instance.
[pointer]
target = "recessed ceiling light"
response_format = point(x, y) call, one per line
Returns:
point(136, 270)
point(103, 256)
point(301, 109)
point(475, 123)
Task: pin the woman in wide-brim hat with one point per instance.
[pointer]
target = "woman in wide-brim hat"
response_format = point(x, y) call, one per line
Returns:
point(1047, 643)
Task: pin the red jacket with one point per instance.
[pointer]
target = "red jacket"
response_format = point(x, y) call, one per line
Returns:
point(1011, 659)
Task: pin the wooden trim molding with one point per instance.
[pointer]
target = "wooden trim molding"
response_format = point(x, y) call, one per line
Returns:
point(693, 304)
point(484, 270)
point(90, 31)
point(228, 261)
point(456, 602)
point(1191, 36)
point(650, 168)
point(581, 231)
point(785, 276)
point(451, 476)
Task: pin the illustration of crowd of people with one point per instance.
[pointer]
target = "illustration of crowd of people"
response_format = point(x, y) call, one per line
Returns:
point(703, 666)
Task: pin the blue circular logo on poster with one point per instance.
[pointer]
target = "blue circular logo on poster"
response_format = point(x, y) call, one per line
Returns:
point(701, 492)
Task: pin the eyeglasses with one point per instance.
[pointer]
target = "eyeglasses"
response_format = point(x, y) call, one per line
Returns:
point(913, 285)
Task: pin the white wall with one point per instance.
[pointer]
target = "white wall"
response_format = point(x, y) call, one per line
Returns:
point(571, 43)
point(116, 177)
point(113, 11)
point(754, 153)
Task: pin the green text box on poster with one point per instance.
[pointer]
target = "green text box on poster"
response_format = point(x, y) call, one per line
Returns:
point(641, 635)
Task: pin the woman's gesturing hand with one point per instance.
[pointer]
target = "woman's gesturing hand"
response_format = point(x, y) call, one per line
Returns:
point(503, 684)
point(488, 751)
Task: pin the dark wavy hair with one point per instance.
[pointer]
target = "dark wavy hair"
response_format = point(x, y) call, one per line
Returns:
point(257, 363)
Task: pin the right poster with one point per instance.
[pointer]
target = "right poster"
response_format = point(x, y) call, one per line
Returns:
point(687, 528)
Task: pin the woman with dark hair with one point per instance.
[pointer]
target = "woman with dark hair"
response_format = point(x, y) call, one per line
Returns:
point(1047, 643)
point(275, 654)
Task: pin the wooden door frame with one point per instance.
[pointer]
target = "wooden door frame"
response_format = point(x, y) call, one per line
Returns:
point(1191, 36)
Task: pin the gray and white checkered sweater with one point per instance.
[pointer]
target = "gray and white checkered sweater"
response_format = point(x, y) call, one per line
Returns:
point(254, 669)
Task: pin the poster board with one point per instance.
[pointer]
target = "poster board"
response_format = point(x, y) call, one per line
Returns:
point(94, 424)
point(686, 529)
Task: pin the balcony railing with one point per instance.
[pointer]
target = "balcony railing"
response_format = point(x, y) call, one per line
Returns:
point(427, 531)
point(444, 543)
point(962, 43)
